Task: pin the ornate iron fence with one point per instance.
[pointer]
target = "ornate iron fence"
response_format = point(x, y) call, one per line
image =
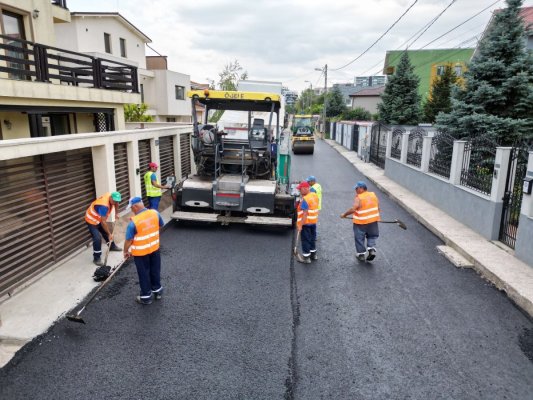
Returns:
point(378, 144)
point(414, 148)
point(440, 160)
point(396, 145)
point(478, 164)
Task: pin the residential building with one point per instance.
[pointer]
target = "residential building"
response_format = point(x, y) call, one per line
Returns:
point(346, 90)
point(375, 80)
point(367, 98)
point(428, 64)
point(48, 90)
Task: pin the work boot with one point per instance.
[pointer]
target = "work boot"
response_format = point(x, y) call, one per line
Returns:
point(314, 256)
point(303, 259)
point(144, 301)
point(371, 254)
point(114, 247)
point(98, 262)
point(158, 294)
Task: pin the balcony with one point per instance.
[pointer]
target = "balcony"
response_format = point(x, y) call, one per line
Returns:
point(60, 3)
point(28, 61)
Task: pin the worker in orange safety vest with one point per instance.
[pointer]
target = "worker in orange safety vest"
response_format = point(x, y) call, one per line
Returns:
point(142, 242)
point(306, 222)
point(365, 217)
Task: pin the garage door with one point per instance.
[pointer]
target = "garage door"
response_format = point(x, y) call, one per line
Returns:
point(145, 156)
point(185, 154)
point(121, 173)
point(166, 157)
point(42, 204)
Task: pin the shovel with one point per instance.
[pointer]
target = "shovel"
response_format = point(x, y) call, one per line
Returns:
point(295, 250)
point(76, 317)
point(395, 221)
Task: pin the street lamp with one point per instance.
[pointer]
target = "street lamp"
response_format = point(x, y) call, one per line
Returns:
point(325, 70)
point(311, 94)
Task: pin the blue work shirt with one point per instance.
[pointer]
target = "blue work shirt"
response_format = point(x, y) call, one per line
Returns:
point(101, 210)
point(304, 206)
point(131, 230)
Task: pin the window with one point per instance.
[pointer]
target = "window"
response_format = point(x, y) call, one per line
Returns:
point(171, 119)
point(107, 42)
point(180, 93)
point(440, 70)
point(123, 47)
point(142, 93)
point(458, 70)
point(13, 27)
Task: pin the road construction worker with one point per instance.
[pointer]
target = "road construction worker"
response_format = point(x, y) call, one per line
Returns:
point(142, 241)
point(316, 188)
point(153, 188)
point(306, 223)
point(365, 216)
point(96, 219)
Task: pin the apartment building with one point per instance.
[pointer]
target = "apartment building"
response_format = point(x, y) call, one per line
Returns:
point(49, 90)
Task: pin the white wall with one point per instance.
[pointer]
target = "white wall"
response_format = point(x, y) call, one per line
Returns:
point(85, 34)
point(160, 93)
point(369, 103)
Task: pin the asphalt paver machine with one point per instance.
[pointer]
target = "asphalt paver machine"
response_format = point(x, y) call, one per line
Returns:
point(236, 179)
point(303, 139)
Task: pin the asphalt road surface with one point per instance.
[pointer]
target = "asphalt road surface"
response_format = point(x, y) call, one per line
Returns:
point(241, 320)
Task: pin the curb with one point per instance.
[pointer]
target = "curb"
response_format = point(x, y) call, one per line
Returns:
point(522, 301)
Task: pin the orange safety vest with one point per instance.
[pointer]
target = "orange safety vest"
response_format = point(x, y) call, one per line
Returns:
point(368, 212)
point(312, 213)
point(146, 240)
point(91, 216)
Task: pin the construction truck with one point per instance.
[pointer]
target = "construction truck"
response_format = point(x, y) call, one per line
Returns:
point(236, 180)
point(303, 139)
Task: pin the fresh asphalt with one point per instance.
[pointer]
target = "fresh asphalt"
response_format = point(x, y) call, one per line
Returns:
point(241, 320)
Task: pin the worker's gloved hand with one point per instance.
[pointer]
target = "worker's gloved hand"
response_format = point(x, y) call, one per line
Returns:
point(126, 254)
point(110, 238)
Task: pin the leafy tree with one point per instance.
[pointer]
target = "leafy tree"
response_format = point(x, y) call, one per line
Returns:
point(357, 114)
point(440, 95)
point(137, 113)
point(232, 73)
point(335, 103)
point(497, 99)
point(400, 101)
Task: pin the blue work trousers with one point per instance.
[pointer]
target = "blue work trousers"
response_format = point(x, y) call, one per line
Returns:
point(149, 271)
point(97, 232)
point(153, 203)
point(308, 237)
point(370, 232)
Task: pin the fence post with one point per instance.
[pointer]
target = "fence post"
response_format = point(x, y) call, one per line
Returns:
point(499, 176)
point(154, 150)
point(426, 153)
point(527, 200)
point(457, 161)
point(405, 147)
point(134, 170)
point(177, 156)
point(104, 169)
point(389, 144)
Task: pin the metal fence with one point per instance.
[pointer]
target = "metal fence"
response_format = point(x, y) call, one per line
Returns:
point(478, 164)
point(414, 147)
point(378, 144)
point(440, 160)
point(396, 146)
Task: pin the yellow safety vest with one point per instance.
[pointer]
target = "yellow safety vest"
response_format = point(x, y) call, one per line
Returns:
point(151, 190)
point(318, 191)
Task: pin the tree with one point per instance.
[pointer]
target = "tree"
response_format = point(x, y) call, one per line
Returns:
point(440, 95)
point(497, 99)
point(231, 74)
point(137, 113)
point(400, 101)
point(335, 103)
point(357, 114)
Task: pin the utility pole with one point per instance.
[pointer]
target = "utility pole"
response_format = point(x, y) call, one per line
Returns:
point(325, 70)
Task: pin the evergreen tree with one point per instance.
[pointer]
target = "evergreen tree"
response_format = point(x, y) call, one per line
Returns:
point(440, 95)
point(400, 102)
point(497, 99)
point(335, 103)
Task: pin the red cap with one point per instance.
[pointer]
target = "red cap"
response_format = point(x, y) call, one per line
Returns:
point(152, 164)
point(302, 185)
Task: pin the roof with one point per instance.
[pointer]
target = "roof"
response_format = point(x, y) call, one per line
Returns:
point(117, 16)
point(371, 91)
point(526, 13)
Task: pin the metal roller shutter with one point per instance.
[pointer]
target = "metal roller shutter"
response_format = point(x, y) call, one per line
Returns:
point(42, 203)
point(145, 156)
point(166, 157)
point(121, 173)
point(185, 154)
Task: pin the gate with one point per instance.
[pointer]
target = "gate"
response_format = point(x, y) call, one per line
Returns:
point(185, 154)
point(378, 144)
point(512, 199)
point(355, 138)
point(42, 204)
point(122, 179)
point(145, 157)
point(166, 157)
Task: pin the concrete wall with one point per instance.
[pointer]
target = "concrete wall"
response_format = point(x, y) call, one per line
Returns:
point(162, 96)
point(369, 103)
point(524, 239)
point(474, 210)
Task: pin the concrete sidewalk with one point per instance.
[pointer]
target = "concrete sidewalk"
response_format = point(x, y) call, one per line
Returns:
point(31, 311)
point(495, 264)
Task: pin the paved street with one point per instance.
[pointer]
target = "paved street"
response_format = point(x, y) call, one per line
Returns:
point(241, 320)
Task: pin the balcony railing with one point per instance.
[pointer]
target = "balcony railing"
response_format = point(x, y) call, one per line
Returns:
point(24, 60)
point(60, 3)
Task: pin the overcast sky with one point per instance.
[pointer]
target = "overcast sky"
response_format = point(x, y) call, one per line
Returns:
point(285, 40)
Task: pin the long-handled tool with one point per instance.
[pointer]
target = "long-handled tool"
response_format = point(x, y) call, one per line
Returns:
point(295, 250)
point(395, 221)
point(76, 317)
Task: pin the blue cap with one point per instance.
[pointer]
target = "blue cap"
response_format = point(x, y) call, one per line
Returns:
point(360, 184)
point(311, 178)
point(135, 200)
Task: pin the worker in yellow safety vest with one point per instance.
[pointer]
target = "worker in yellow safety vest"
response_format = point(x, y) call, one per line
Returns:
point(316, 188)
point(306, 223)
point(142, 242)
point(365, 216)
point(153, 188)
point(96, 220)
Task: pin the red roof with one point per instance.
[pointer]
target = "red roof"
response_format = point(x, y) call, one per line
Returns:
point(377, 91)
point(526, 13)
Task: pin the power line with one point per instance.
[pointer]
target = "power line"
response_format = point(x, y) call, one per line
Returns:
point(432, 22)
point(377, 40)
